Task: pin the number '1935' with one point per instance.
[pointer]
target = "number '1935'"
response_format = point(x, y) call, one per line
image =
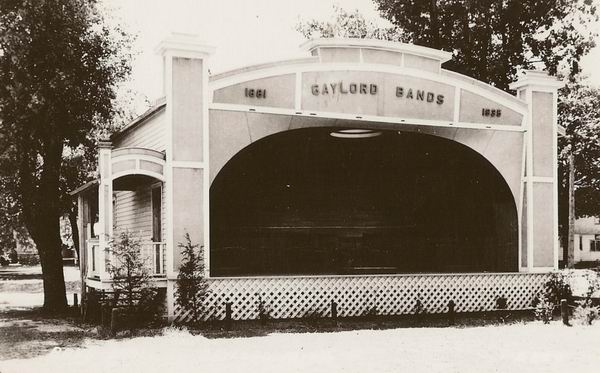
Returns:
point(491, 112)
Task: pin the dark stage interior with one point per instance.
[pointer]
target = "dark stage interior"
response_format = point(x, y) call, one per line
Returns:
point(306, 202)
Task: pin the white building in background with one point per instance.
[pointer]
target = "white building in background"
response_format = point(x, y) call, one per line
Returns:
point(587, 239)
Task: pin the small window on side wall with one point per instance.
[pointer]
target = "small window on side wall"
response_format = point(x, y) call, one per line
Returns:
point(595, 243)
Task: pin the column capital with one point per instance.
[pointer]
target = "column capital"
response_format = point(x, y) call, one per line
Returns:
point(537, 80)
point(105, 144)
point(184, 45)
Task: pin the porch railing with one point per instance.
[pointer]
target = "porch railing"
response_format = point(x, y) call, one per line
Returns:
point(94, 259)
point(152, 253)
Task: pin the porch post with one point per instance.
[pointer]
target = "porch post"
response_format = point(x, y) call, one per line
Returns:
point(105, 213)
point(186, 171)
point(540, 210)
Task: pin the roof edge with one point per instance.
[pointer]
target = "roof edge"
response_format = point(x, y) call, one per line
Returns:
point(391, 46)
point(158, 105)
point(84, 187)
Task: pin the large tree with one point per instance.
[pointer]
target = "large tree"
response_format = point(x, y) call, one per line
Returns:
point(492, 39)
point(579, 114)
point(489, 39)
point(59, 67)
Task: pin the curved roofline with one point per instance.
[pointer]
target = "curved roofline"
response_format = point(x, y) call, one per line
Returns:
point(480, 84)
point(391, 46)
point(265, 65)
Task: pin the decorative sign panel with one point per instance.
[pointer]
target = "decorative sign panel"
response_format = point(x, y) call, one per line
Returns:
point(276, 91)
point(477, 109)
point(377, 94)
point(371, 94)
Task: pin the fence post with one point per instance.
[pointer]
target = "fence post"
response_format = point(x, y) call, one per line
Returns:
point(451, 312)
point(564, 312)
point(333, 310)
point(228, 313)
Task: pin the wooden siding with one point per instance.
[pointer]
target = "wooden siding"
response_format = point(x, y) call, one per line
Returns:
point(133, 211)
point(150, 134)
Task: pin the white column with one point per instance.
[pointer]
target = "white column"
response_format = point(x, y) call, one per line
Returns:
point(540, 91)
point(105, 208)
point(186, 171)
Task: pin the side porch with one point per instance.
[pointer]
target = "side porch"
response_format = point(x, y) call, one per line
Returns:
point(126, 198)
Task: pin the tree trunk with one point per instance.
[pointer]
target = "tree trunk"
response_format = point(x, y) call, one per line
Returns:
point(571, 243)
point(42, 216)
point(49, 248)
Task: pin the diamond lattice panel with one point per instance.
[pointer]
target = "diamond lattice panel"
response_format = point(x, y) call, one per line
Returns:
point(297, 297)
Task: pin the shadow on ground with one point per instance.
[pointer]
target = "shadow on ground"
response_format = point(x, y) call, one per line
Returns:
point(255, 328)
point(26, 334)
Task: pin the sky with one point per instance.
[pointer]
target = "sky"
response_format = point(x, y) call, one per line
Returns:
point(245, 32)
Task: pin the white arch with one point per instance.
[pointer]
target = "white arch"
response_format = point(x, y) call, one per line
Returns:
point(138, 172)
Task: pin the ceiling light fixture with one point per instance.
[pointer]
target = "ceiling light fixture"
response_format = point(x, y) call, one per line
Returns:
point(355, 133)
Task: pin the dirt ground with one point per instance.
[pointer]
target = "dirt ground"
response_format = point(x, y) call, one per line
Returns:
point(28, 333)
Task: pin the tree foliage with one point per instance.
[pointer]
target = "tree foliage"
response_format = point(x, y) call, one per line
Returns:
point(578, 113)
point(492, 39)
point(128, 268)
point(192, 287)
point(130, 274)
point(59, 68)
point(347, 24)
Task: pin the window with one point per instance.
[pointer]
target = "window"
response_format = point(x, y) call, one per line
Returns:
point(595, 243)
point(157, 214)
point(157, 226)
point(92, 217)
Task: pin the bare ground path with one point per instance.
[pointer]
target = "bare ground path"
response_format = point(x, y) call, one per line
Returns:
point(520, 347)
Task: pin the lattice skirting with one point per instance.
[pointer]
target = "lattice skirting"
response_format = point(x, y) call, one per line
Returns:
point(297, 297)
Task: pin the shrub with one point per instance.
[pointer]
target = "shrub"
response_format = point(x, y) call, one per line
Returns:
point(13, 256)
point(586, 312)
point(192, 287)
point(131, 279)
point(419, 307)
point(544, 310)
point(264, 312)
point(29, 259)
point(555, 289)
point(558, 288)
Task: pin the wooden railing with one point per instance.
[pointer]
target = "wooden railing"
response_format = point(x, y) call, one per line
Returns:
point(153, 254)
point(98, 259)
point(94, 258)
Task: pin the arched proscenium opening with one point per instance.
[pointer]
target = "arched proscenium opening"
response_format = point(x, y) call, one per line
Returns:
point(321, 201)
